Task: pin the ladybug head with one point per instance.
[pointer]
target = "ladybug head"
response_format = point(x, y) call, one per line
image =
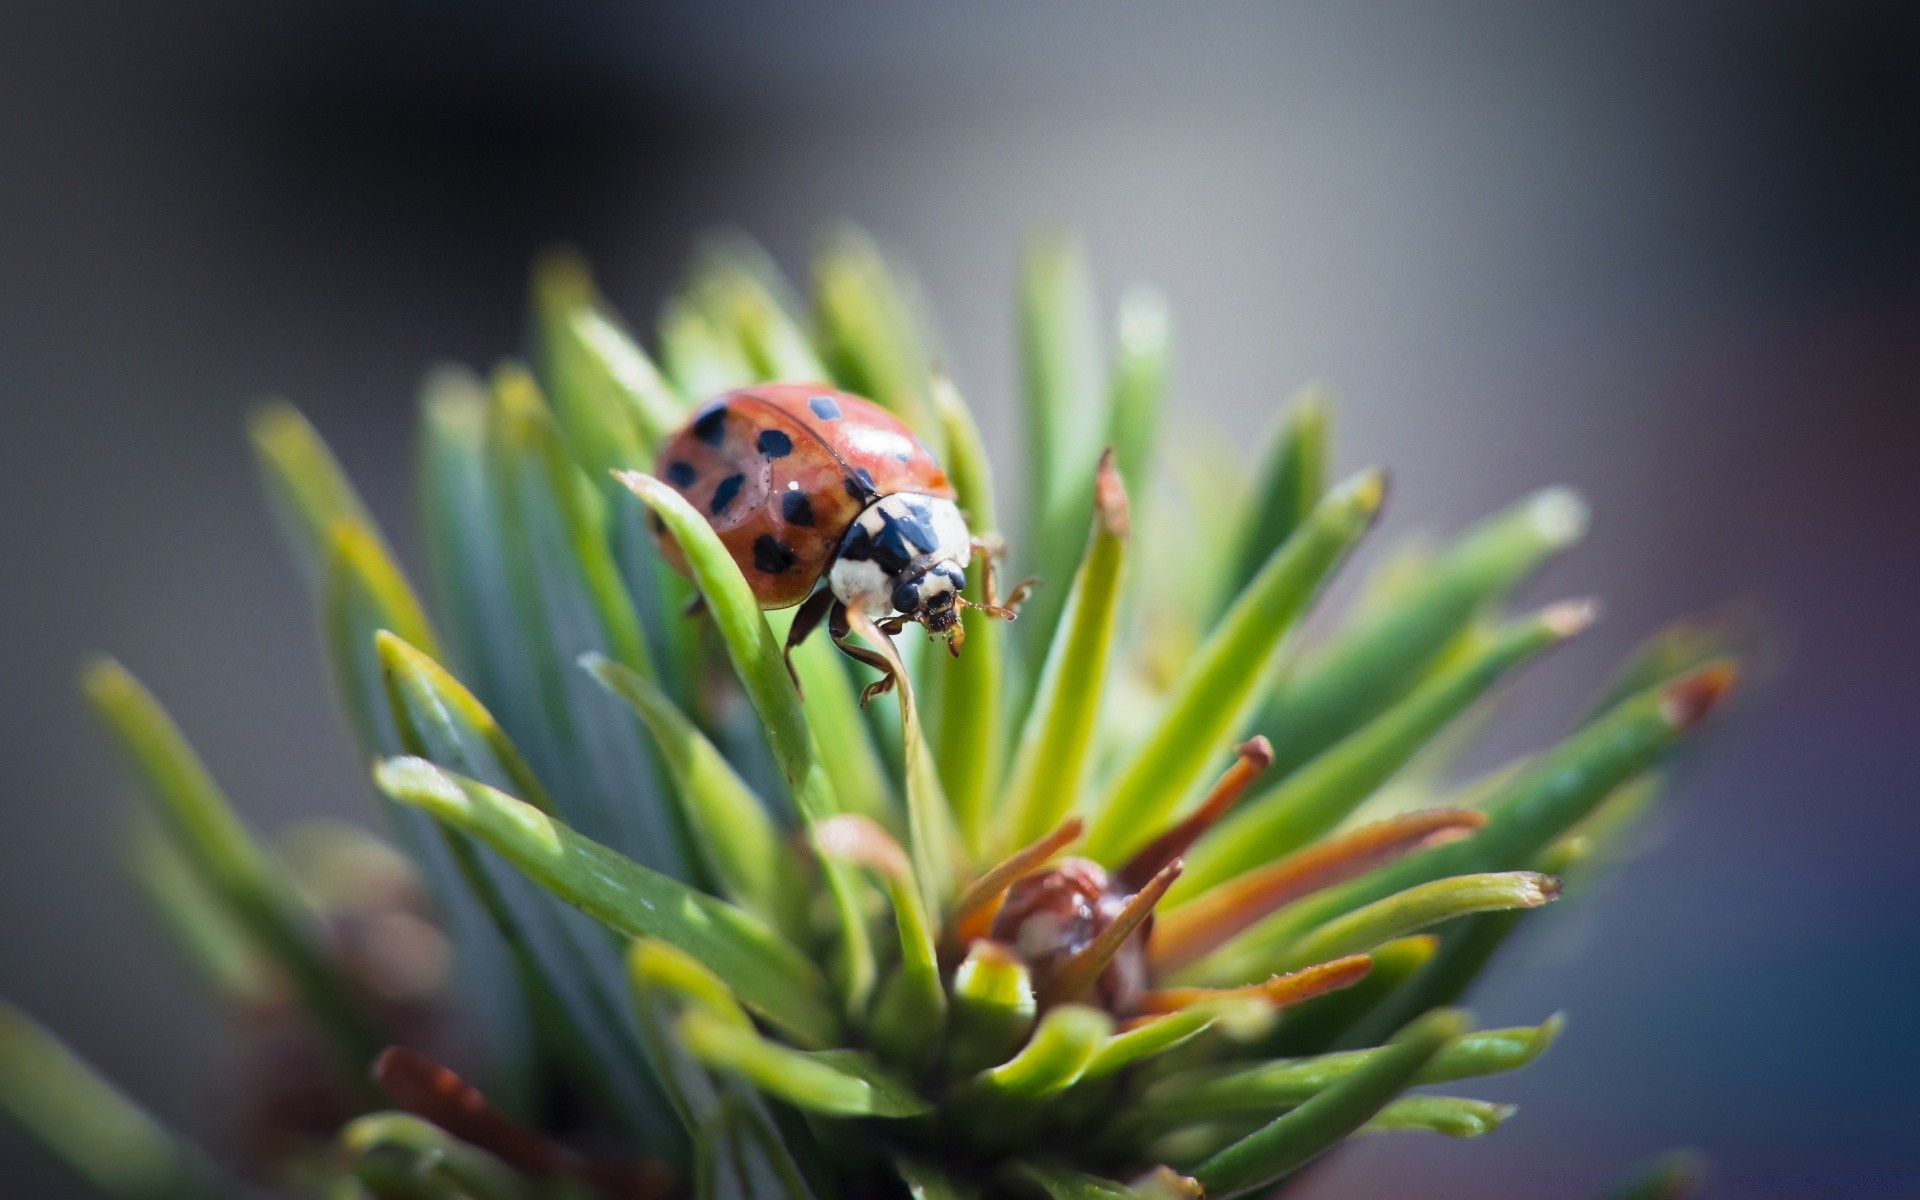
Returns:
point(932, 597)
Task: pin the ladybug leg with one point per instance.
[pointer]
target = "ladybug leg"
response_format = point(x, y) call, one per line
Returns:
point(696, 607)
point(991, 547)
point(839, 629)
point(804, 623)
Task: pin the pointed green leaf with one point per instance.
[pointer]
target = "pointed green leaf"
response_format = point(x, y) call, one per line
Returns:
point(197, 922)
point(306, 490)
point(359, 589)
point(1465, 949)
point(932, 839)
point(1311, 801)
point(363, 592)
point(1270, 1088)
point(571, 956)
point(767, 973)
point(1291, 481)
point(702, 358)
point(466, 564)
point(1255, 955)
point(392, 1151)
point(1060, 386)
point(1290, 1141)
point(450, 727)
point(88, 1124)
point(911, 1013)
point(570, 600)
point(654, 964)
point(1145, 1040)
point(734, 1130)
point(234, 866)
point(968, 734)
point(838, 1083)
point(1454, 1116)
point(742, 293)
point(614, 404)
point(1325, 1021)
point(1679, 647)
point(731, 828)
point(1371, 664)
point(662, 981)
point(567, 962)
point(516, 627)
point(1534, 806)
point(869, 336)
point(1215, 695)
point(763, 676)
point(1493, 1051)
point(749, 641)
point(993, 1008)
point(1062, 1047)
point(1056, 745)
point(1139, 387)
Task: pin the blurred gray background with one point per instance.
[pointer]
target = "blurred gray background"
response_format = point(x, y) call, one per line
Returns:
point(1666, 253)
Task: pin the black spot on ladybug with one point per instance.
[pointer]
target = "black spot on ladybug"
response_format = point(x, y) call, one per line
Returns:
point(681, 474)
point(774, 444)
point(825, 407)
point(724, 494)
point(903, 457)
point(771, 555)
point(796, 508)
point(711, 425)
point(859, 484)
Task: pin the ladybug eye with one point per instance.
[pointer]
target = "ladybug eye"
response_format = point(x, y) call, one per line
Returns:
point(906, 597)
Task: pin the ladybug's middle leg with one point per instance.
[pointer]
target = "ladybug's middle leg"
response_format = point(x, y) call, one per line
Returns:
point(808, 619)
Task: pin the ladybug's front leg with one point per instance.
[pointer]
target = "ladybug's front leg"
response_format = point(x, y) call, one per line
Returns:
point(840, 629)
point(991, 547)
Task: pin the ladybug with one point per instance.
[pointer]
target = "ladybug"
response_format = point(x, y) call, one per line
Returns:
point(804, 484)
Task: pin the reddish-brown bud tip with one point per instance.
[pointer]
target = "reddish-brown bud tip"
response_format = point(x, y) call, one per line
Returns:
point(1258, 752)
point(1687, 700)
point(1548, 887)
point(1569, 617)
point(383, 1063)
point(1110, 496)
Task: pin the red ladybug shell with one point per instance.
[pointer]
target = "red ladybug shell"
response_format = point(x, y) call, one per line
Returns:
point(780, 470)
